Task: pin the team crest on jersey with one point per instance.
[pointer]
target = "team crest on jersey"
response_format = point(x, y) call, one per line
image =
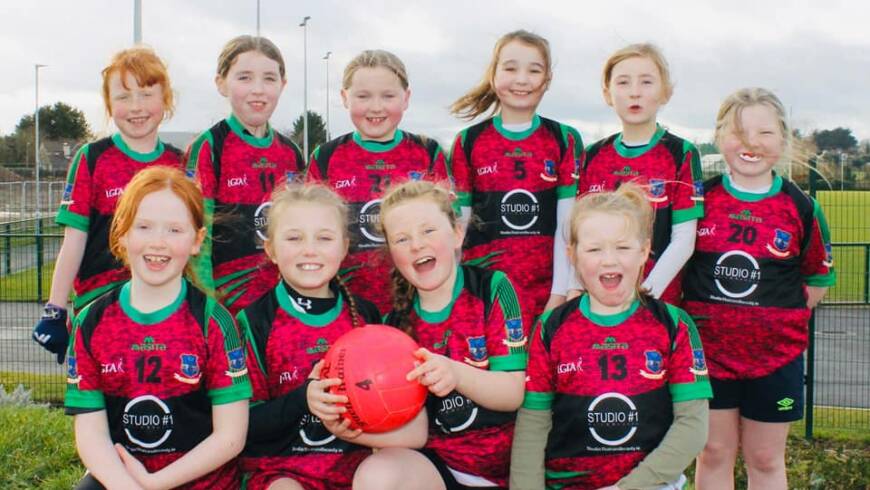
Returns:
point(290, 176)
point(576, 174)
point(829, 256)
point(653, 363)
point(698, 187)
point(514, 327)
point(477, 351)
point(190, 173)
point(781, 241)
point(657, 190)
point(190, 373)
point(549, 173)
point(415, 175)
point(699, 364)
point(72, 373)
point(236, 358)
point(67, 194)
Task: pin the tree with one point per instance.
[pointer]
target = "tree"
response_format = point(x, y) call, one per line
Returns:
point(316, 131)
point(835, 139)
point(708, 148)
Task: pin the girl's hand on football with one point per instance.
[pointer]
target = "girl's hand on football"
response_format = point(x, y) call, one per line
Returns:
point(436, 372)
point(321, 403)
point(341, 429)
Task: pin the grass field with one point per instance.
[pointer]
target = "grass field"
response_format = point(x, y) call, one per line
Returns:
point(22, 286)
point(37, 451)
point(848, 214)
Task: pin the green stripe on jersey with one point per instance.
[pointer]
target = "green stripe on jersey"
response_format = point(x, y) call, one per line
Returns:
point(195, 149)
point(201, 262)
point(227, 324)
point(237, 127)
point(80, 301)
point(65, 217)
point(512, 362)
point(149, 157)
point(245, 329)
point(152, 317)
point(239, 390)
point(535, 400)
point(516, 135)
point(698, 390)
point(634, 152)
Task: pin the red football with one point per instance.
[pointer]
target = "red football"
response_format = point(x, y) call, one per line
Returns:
point(372, 361)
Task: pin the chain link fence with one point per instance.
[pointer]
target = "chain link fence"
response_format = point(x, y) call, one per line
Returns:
point(838, 369)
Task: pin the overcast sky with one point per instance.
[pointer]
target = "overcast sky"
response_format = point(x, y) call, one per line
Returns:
point(814, 55)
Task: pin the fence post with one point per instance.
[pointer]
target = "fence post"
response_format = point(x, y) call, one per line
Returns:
point(7, 256)
point(810, 377)
point(39, 260)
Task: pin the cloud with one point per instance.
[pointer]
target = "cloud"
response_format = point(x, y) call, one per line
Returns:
point(815, 57)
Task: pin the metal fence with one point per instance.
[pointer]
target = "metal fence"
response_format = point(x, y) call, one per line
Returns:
point(838, 362)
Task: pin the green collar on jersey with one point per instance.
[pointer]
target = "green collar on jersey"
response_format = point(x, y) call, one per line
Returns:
point(633, 152)
point(379, 146)
point(516, 135)
point(744, 196)
point(444, 313)
point(606, 320)
point(295, 311)
point(135, 155)
point(153, 317)
point(246, 135)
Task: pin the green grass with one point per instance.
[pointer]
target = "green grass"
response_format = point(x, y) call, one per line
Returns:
point(848, 214)
point(37, 451)
point(21, 286)
point(44, 388)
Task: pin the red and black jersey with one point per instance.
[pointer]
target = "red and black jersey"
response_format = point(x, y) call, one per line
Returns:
point(669, 166)
point(482, 327)
point(744, 285)
point(610, 382)
point(237, 172)
point(512, 181)
point(360, 172)
point(284, 342)
point(97, 175)
point(157, 375)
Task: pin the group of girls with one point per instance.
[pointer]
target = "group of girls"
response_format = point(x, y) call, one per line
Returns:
point(536, 274)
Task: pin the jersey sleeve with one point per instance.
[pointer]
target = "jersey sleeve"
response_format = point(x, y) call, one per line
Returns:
point(200, 167)
point(687, 204)
point(460, 170)
point(506, 336)
point(569, 167)
point(75, 205)
point(540, 379)
point(817, 264)
point(270, 418)
point(687, 367)
point(83, 391)
point(440, 170)
point(312, 171)
point(226, 370)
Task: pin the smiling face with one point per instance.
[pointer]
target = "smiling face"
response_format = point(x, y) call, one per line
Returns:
point(423, 245)
point(253, 85)
point(161, 239)
point(752, 152)
point(636, 91)
point(609, 258)
point(376, 101)
point(520, 80)
point(136, 111)
point(308, 246)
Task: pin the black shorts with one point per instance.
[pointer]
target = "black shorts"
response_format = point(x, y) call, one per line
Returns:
point(777, 397)
point(446, 476)
point(89, 483)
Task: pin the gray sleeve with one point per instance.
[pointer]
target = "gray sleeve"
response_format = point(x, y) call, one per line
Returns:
point(527, 452)
point(683, 441)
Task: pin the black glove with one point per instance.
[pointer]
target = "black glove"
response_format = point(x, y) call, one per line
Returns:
point(51, 333)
